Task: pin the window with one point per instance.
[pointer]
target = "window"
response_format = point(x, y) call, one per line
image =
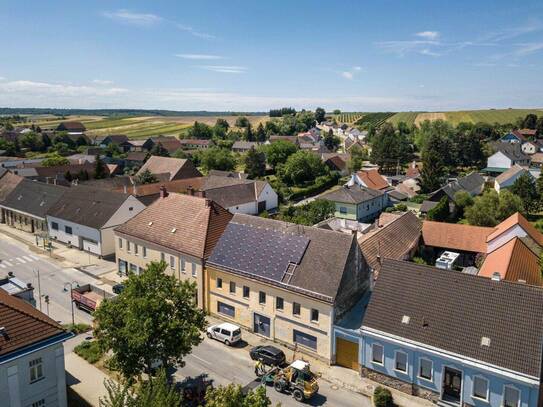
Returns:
point(314, 315)
point(219, 282)
point(39, 403)
point(193, 269)
point(172, 262)
point(135, 249)
point(377, 354)
point(295, 308)
point(400, 364)
point(54, 226)
point(36, 370)
point(426, 368)
point(511, 397)
point(342, 209)
point(232, 287)
point(262, 297)
point(183, 264)
point(128, 246)
point(162, 257)
point(246, 291)
point(120, 243)
point(133, 268)
point(226, 309)
point(279, 303)
point(144, 250)
point(68, 230)
point(305, 339)
point(480, 387)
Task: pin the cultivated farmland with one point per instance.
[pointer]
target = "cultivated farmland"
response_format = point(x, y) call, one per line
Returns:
point(347, 118)
point(374, 119)
point(406, 117)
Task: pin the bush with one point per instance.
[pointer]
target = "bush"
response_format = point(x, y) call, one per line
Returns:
point(321, 184)
point(90, 351)
point(382, 397)
point(401, 207)
point(420, 198)
point(77, 328)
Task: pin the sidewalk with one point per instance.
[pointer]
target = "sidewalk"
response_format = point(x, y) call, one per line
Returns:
point(336, 375)
point(68, 257)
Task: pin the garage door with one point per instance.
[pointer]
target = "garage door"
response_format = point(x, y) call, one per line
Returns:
point(226, 309)
point(347, 354)
point(305, 339)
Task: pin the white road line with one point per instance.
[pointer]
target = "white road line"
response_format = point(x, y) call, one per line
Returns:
point(201, 360)
point(27, 258)
point(20, 260)
point(34, 257)
point(7, 263)
point(3, 265)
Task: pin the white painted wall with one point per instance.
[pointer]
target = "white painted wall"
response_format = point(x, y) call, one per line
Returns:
point(499, 160)
point(16, 389)
point(270, 196)
point(249, 208)
point(79, 232)
point(509, 182)
point(515, 231)
point(130, 208)
point(528, 148)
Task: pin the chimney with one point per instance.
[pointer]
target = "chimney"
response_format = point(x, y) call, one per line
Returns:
point(207, 203)
point(163, 192)
point(190, 190)
point(125, 189)
point(201, 194)
point(496, 276)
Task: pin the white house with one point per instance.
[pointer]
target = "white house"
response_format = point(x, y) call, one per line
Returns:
point(32, 370)
point(507, 155)
point(85, 217)
point(508, 178)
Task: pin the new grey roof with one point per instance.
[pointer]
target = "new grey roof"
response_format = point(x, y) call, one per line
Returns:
point(453, 311)
point(263, 249)
point(472, 183)
point(33, 197)
point(513, 151)
point(91, 207)
point(352, 194)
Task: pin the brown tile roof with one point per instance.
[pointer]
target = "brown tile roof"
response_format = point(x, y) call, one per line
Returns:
point(198, 224)
point(513, 220)
point(24, 325)
point(537, 158)
point(455, 236)
point(195, 142)
point(136, 155)
point(372, 179)
point(526, 132)
point(454, 311)
point(8, 182)
point(171, 144)
point(72, 126)
point(514, 261)
point(177, 168)
point(395, 240)
point(179, 185)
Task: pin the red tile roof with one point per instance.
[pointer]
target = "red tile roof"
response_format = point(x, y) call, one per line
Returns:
point(455, 236)
point(513, 220)
point(372, 179)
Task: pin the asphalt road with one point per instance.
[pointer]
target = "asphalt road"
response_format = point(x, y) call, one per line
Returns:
point(225, 365)
point(24, 264)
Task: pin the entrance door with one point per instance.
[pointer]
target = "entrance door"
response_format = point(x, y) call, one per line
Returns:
point(261, 206)
point(262, 325)
point(452, 385)
point(347, 353)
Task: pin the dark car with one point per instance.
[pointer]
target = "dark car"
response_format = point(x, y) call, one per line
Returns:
point(269, 355)
point(118, 288)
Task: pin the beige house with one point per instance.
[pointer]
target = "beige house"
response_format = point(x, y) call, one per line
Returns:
point(180, 230)
point(285, 282)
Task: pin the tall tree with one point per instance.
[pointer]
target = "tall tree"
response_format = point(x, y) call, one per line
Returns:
point(248, 133)
point(320, 114)
point(441, 211)
point(160, 150)
point(100, 169)
point(217, 159)
point(278, 152)
point(242, 122)
point(200, 131)
point(539, 126)
point(525, 188)
point(260, 133)
point(255, 163)
point(155, 318)
point(390, 149)
point(530, 121)
point(302, 167)
point(331, 141)
point(358, 156)
point(433, 167)
point(146, 177)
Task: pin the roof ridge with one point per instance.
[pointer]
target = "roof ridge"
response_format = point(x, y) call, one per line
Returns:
point(47, 320)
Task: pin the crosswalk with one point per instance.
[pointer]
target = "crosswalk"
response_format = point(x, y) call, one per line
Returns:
point(16, 261)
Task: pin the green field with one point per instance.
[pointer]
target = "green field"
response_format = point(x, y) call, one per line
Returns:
point(374, 119)
point(347, 118)
point(501, 116)
point(406, 117)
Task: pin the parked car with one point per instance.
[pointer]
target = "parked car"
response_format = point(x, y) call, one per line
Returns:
point(118, 288)
point(227, 333)
point(269, 355)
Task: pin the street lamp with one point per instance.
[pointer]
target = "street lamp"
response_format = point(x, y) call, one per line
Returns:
point(39, 283)
point(71, 285)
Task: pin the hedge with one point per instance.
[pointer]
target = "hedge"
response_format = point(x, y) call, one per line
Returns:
point(321, 184)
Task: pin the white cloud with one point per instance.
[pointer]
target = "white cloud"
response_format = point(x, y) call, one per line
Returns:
point(429, 35)
point(429, 52)
point(195, 33)
point(45, 89)
point(402, 48)
point(347, 75)
point(351, 73)
point(198, 56)
point(2, 78)
point(130, 17)
point(225, 68)
point(102, 82)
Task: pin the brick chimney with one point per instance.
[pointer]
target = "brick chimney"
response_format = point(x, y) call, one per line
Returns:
point(163, 192)
point(190, 190)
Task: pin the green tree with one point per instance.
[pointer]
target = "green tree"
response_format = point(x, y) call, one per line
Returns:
point(530, 121)
point(320, 114)
point(217, 159)
point(33, 141)
point(358, 156)
point(302, 167)
point(179, 153)
point(68, 176)
point(155, 318)
point(330, 141)
point(200, 131)
point(433, 167)
point(100, 169)
point(490, 208)
point(260, 133)
point(525, 187)
point(222, 123)
point(159, 150)
point(54, 161)
point(232, 396)
point(440, 212)
point(539, 126)
point(462, 200)
point(278, 152)
point(255, 163)
point(310, 213)
point(248, 134)
point(155, 392)
point(336, 111)
point(146, 177)
point(390, 149)
point(509, 204)
point(242, 122)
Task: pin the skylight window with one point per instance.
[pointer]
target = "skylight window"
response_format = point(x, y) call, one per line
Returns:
point(174, 230)
point(405, 319)
point(485, 341)
point(150, 223)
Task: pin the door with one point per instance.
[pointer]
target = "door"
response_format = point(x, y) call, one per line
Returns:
point(347, 354)
point(262, 325)
point(452, 384)
point(261, 206)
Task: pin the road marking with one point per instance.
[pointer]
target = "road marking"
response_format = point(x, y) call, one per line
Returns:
point(20, 260)
point(27, 258)
point(7, 263)
point(34, 257)
point(3, 265)
point(202, 360)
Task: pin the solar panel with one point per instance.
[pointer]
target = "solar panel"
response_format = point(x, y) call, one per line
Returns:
point(258, 251)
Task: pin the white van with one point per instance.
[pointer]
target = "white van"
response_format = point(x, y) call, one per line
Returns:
point(227, 333)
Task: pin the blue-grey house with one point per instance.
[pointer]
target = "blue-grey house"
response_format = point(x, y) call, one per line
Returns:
point(514, 137)
point(452, 338)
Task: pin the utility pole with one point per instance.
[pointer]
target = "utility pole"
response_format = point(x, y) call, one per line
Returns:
point(46, 299)
point(39, 284)
point(71, 299)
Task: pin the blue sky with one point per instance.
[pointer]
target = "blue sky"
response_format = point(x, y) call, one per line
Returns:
point(256, 55)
